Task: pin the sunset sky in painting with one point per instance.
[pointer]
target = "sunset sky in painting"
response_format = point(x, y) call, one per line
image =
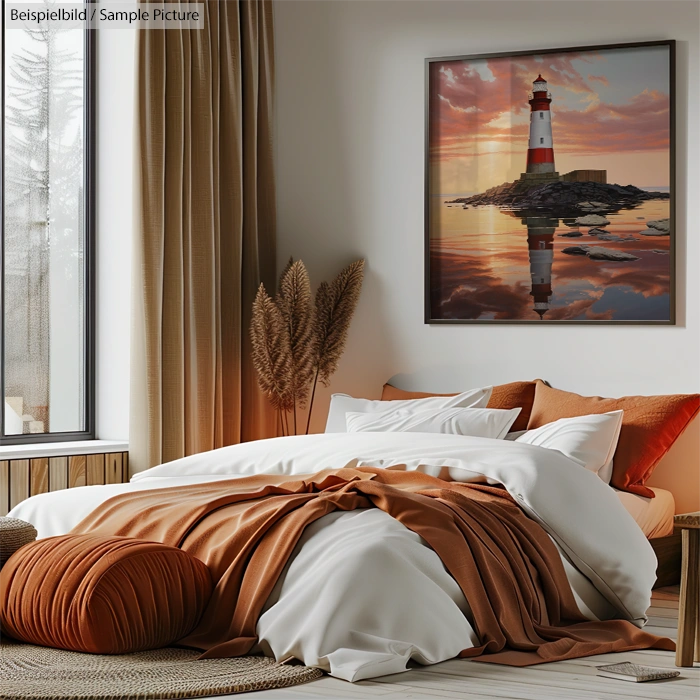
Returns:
point(610, 111)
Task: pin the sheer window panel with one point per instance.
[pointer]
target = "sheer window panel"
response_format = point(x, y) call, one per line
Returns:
point(46, 230)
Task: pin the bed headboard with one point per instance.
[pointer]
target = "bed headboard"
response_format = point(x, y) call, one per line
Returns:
point(679, 470)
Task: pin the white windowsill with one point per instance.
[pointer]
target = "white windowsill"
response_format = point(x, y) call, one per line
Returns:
point(62, 449)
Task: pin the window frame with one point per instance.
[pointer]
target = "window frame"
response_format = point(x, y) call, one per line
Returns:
point(89, 44)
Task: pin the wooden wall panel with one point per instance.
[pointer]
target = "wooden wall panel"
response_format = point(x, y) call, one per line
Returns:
point(95, 470)
point(22, 478)
point(76, 471)
point(39, 476)
point(58, 473)
point(113, 468)
point(19, 481)
point(4, 487)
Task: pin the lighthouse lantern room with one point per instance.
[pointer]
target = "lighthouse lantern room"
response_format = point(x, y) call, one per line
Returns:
point(540, 152)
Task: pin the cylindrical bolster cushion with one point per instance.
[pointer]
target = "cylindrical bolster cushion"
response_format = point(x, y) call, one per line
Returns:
point(105, 595)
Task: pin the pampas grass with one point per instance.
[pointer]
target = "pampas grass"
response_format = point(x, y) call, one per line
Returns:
point(271, 354)
point(294, 303)
point(335, 306)
point(297, 343)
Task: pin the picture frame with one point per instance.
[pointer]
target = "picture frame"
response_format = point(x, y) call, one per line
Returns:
point(535, 227)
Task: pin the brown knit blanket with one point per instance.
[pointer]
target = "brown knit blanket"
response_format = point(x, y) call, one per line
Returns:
point(245, 529)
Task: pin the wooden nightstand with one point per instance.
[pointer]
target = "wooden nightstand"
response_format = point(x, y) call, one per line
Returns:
point(688, 644)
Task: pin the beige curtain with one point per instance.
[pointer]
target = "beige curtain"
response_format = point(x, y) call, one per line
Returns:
point(205, 231)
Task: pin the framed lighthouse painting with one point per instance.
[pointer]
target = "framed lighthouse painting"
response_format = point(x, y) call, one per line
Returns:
point(550, 186)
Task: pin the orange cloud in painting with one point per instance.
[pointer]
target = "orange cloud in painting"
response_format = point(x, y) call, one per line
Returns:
point(638, 125)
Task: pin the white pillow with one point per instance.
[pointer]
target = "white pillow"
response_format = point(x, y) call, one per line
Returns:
point(475, 422)
point(590, 440)
point(342, 404)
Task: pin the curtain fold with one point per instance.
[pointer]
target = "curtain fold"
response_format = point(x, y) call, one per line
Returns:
point(204, 231)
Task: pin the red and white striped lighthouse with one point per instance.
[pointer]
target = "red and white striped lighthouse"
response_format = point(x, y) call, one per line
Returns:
point(540, 149)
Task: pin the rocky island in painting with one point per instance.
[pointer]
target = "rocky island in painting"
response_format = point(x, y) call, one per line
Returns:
point(549, 187)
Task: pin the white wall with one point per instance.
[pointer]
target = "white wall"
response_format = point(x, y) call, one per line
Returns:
point(350, 101)
point(114, 163)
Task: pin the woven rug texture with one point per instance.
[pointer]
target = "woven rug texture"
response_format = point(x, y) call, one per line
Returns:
point(31, 672)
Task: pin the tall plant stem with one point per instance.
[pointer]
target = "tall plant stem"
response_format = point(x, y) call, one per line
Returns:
point(311, 403)
point(295, 415)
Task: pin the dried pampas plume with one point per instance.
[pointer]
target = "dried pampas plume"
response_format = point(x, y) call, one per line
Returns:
point(295, 340)
point(335, 306)
point(294, 303)
point(271, 354)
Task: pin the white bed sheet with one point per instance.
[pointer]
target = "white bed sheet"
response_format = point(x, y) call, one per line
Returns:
point(362, 595)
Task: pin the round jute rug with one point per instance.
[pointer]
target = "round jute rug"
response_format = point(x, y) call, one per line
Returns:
point(37, 673)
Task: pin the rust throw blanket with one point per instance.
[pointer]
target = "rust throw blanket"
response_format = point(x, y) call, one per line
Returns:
point(244, 530)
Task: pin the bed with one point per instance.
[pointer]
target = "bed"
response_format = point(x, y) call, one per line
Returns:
point(653, 515)
point(341, 598)
point(655, 518)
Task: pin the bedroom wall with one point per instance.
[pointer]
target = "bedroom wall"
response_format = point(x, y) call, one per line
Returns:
point(350, 100)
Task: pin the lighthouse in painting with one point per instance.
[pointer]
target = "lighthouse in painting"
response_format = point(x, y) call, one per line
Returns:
point(540, 150)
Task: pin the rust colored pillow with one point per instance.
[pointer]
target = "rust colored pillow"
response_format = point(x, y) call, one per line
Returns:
point(103, 595)
point(650, 425)
point(506, 396)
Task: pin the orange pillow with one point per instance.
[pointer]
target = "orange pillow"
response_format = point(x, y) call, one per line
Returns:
point(650, 425)
point(102, 595)
point(506, 396)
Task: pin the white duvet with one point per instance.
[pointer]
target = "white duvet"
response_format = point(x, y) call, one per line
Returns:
point(362, 594)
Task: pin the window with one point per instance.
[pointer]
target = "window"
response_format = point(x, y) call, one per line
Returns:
point(46, 298)
point(541, 139)
point(541, 115)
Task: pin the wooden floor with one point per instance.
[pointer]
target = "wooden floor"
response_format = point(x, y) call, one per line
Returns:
point(564, 680)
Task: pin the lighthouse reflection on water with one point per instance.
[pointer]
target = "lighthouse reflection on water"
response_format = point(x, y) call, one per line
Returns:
point(540, 244)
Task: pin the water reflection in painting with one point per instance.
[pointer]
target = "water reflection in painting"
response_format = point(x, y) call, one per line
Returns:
point(556, 242)
point(517, 268)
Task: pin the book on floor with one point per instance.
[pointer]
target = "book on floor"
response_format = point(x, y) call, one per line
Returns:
point(635, 673)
